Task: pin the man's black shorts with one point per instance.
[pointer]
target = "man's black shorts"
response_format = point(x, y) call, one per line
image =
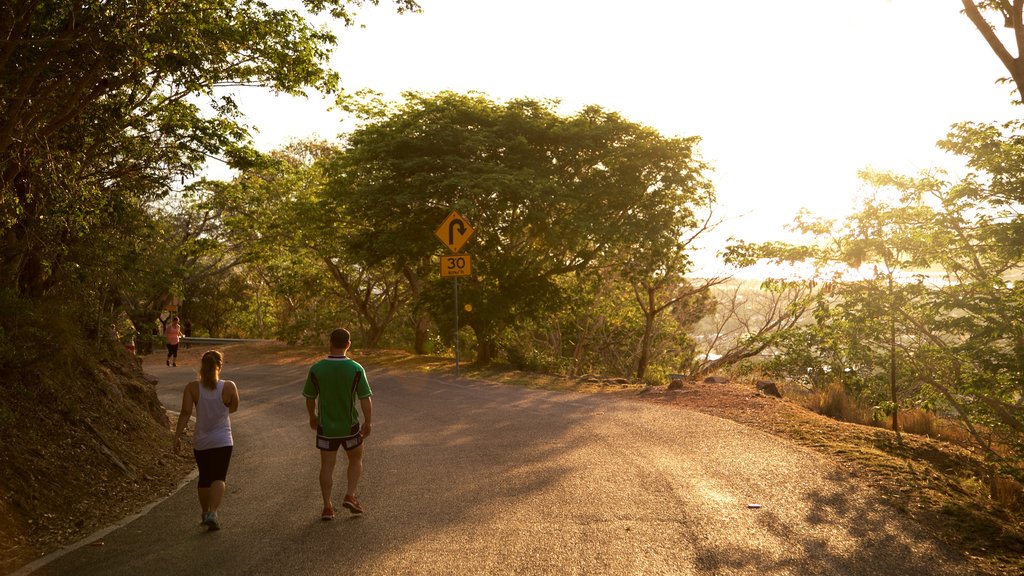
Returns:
point(350, 442)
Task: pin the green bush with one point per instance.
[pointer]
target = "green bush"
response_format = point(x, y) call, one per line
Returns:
point(530, 359)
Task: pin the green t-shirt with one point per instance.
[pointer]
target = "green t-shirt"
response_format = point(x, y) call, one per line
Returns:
point(330, 382)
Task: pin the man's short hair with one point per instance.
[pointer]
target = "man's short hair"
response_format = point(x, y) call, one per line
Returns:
point(340, 338)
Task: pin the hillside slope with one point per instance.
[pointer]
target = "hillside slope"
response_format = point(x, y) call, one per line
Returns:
point(85, 443)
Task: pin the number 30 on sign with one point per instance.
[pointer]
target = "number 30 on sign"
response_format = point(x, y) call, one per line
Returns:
point(455, 265)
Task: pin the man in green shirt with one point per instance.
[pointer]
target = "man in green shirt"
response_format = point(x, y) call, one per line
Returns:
point(331, 390)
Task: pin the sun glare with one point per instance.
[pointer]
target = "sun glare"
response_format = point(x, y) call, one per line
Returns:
point(791, 98)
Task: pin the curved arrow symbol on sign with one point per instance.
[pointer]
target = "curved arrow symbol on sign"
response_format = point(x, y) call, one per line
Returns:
point(451, 230)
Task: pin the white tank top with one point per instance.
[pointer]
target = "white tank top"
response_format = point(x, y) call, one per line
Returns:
point(213, 422)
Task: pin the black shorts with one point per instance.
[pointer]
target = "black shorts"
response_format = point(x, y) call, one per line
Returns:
point(350, 442)
point(213, 465)
point(172, 350)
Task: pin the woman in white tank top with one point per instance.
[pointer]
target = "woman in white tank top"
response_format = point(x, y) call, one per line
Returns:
point(214, 400)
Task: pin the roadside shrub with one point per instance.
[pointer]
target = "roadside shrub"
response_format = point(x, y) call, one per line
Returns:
point(918, 421)
point(952, 431)
point(530, 359)
point(656, 376)
point(521, 357)
point(32, 332)
point(1007, 492)
point(834, 402)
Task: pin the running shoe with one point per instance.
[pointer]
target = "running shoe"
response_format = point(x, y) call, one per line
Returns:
point(211, 521)
point(328, 513)
point(352, 504)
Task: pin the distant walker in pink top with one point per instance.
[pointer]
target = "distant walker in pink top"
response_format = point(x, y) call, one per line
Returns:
point(173, 335)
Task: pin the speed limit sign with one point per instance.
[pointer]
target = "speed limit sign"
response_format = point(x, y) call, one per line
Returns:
point(455, 266)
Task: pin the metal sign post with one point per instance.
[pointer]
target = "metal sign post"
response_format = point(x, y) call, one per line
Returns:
point(453, 233)
point(456, 326)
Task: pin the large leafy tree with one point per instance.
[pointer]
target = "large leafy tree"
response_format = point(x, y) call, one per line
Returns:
point(548, 194)
point(865, 263)
point(977, 232)
point(100, 116)
point(278, 225)
point(956, 332)
point(656, 266)
point(884, 244)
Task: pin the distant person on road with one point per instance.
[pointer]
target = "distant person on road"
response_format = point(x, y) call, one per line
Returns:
point(173, 335)
point(214, 400)
point(331, 390)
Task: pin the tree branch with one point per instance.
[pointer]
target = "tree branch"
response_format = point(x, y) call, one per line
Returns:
point(1011, 63)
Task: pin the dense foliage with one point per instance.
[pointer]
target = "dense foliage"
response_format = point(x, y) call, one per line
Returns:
point(106, 106)
point(557, 202)
point(924, 294)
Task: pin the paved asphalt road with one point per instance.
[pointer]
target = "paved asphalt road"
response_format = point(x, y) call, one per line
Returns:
point(469, 478)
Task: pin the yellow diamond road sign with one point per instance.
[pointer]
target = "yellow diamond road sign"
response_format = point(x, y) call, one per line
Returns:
point(454, 231)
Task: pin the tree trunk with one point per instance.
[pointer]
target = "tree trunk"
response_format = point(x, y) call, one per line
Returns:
point(644, 358)
point(421, 322)
point(485, 347)
point(420, 333)
point(892, 380)
point(580, 348)
point(374, 332)
point(892, 363)
point(650, 312)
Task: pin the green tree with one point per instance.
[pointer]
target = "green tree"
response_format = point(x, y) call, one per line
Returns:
point(867, 260)
point(548, 194)
point(893, 239)
point(275, 217)
point(100, 116)
point(944, 296)
point(977, 232)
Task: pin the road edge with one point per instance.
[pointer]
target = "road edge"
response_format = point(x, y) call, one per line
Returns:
point(86, 540)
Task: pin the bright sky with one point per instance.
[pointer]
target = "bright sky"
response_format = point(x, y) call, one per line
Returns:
point(790, 97)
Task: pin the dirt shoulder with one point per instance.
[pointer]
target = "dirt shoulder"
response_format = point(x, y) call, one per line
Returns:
point(944, 488)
